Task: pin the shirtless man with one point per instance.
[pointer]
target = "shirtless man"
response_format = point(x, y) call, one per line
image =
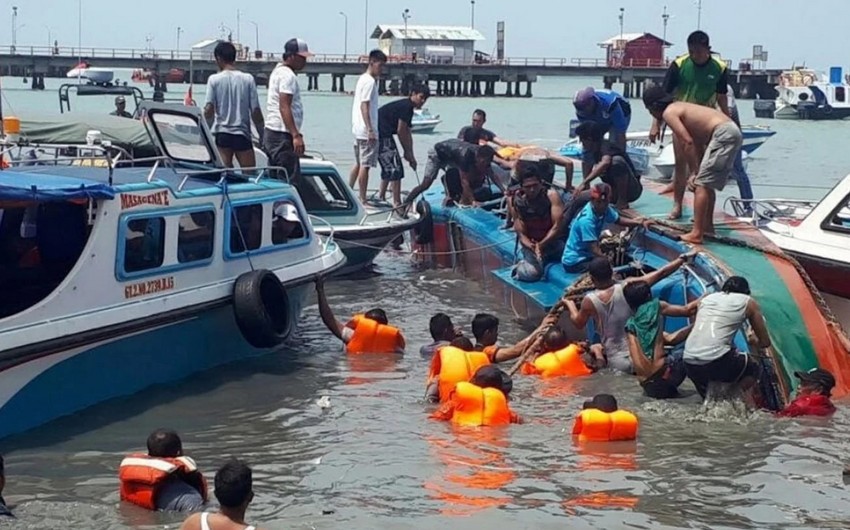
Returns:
point(699, 129)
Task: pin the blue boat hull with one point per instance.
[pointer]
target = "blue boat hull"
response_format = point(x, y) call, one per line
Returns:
point(71, 380)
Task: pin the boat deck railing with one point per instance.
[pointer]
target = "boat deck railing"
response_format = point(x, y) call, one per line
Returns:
point(783, 211)
point(329, 240)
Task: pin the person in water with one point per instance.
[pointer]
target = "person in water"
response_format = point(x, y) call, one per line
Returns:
point(608, 161)
point(4, 510)
point(164, 478)
point(608, 308)
point(485, 329)
point(367, 333)
point(700, 130)
point(483, 401)
point(812, 395)
point(608, 110)
point(234, 491)
point(710, 353)
point(443, 332)
point(659, 371)
point(538, 221)
point(478, 135)
point(602, 420)
point(586, 229)
point(120, 108)
point(557, 357)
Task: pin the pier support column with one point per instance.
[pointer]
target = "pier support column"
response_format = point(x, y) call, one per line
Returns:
point(382, 86)
point(627, 90)
point(465, 88)
point(333, 83)
point(517, 91)
point(508, 92)
point(528, 89)
point(342, 83)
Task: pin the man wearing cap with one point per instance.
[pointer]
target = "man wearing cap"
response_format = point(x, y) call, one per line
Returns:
point(120, 108)
point(364, 122)
point(283, 141)
point(286, 224)
point(812, 395)
point(606, 108)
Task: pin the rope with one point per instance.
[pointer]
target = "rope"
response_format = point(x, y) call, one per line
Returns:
point(235, 220)
point(823, 306)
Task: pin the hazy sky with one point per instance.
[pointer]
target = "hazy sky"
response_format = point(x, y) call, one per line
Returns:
point(811, 32)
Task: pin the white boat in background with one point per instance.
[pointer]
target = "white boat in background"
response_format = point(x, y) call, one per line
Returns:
point(98, 76)
point(803, 94)
point(424, 121)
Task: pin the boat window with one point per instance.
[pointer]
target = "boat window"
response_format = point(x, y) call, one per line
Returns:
point(195, 236)
point(839, 219)
point(286, 224)
point(839, 94)
point(144, 244)
point(181, 136)
point(322, 193)
point(246, 228)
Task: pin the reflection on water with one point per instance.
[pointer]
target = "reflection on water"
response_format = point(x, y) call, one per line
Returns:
point(340, 441)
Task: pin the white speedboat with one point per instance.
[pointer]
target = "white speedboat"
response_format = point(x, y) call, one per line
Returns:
point(94, 75)
point(424, 121)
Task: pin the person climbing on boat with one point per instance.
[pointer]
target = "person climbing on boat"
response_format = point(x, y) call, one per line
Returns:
point(610, 111)
point(231, 105)
point(366, 333)
point(610, 311)
point(443, 332)
point(659, 372)
point(700, 130)
point(485, 329)
point(164, 478)
point(364, 123)
point(476, 133)
point(283, 141)
point(482, 401)
point(586, 228)
point(606, 160)
point(120, 108)
point(395, 118)
point(812, 395)
point(699, 78)
point(234, 491)
point(710, 353)
point(745, 189)
point(538, 223)
point(473, 163)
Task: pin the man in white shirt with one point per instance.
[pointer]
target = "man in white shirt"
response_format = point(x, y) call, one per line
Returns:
point(284, 143)
point(364, 122)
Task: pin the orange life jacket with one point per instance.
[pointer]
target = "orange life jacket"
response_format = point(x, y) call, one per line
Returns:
point(593, 425)
point(566, 362)
point(476, 406)
point(452, 365)
point(142, 476)
point(372, 337)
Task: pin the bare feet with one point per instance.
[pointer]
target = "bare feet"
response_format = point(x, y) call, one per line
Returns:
point(669, 189)
point(692, 238)
point(675, 213)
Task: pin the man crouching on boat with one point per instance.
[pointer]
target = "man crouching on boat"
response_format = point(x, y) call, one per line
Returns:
point(538, 223)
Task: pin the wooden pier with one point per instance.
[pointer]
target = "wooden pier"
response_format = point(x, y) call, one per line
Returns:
point(513, 77)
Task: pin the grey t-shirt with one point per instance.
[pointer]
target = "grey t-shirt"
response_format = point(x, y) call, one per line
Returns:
point(233, 95)
point(177, 496)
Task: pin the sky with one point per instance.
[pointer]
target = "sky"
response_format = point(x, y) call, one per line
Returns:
point(791, 32)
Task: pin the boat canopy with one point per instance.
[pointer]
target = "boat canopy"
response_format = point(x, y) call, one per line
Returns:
point(128, 134)
point(17, 186)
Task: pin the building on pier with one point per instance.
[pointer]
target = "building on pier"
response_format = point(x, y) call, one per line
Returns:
point(431, 44)
point(643, 50)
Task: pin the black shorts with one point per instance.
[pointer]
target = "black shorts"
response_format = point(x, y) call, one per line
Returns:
point(620, 168)
point(279, 147)
point(234, 142)
point(390, 160)
point(731, 368)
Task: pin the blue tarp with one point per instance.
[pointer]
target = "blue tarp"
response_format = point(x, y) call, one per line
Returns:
point(24, 186)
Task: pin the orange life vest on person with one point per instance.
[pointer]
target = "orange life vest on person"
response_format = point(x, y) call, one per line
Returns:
point(566, 362)
point(452, 365)
point(476, 406)
point(372, 337)
point(593, 425)
point(141, 476)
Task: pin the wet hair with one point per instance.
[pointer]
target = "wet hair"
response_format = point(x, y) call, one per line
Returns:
point(600, 269)
point(528, 170)
point(378, 315)
point(590, 130)
point(463, 343)
point(233, 484)
point(482, 323)
point(555, 339)
point(421, 88)
point(490, 376)
point(736, 284)
point(440, 326)
point(637, 293)
point(604, 402)
point(479, 112)
point(377, 56)
point(164, 443)
point(699, 38)
point(655, 98)
point(225, 51)
point(485, 152)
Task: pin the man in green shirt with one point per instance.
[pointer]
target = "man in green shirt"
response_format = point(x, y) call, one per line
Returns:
point(700, 78)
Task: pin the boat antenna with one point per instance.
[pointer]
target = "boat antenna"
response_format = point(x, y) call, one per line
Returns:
point(79, 40)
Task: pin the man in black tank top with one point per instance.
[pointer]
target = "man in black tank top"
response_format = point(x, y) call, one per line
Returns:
point(538, 223)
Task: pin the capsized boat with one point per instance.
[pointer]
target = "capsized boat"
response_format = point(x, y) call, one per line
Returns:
point(424, 122)
point(92, 74)
point(134, 272)
point(803, 336)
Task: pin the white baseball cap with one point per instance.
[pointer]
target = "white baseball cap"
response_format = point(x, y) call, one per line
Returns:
point(287, 212)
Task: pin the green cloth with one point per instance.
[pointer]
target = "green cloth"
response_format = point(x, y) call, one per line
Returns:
point(645, 325)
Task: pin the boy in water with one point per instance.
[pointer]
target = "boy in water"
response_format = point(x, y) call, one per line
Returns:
point(813, 395)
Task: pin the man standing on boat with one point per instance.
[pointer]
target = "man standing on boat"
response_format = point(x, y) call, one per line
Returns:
point(283, 141)
point(738, 170)
point(232, 104)
point(120, 108)
point(364, 122)
point(698, 78)
point(396, 118)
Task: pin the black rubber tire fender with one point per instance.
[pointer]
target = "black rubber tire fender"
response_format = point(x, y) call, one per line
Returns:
point(424, 231)
point(261, 309)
